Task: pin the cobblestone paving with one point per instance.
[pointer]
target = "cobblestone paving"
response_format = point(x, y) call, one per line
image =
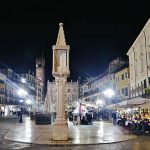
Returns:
point(140, 143)
point(99, 132)
point(5, 125)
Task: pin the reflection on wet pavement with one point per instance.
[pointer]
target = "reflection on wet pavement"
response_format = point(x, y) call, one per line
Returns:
point(99, 132)
point(5, 126)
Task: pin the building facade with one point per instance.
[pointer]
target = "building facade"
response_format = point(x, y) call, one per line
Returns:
point(51, 97)
point(11, 86)
point(122, 84)
point(9, 97)
point(93, 88)
point(2, 89)
point(11, 83)
point(139, 62)
point(33, 86)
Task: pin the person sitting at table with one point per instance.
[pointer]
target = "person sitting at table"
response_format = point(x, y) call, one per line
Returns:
point(123, 120)
point(145, 126)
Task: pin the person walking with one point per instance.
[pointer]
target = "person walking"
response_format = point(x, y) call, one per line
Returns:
point(20, 118)
point(114, 116)
point(18, 112)
point(0, 111)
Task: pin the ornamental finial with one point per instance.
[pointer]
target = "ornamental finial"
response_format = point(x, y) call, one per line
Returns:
point(61, 24)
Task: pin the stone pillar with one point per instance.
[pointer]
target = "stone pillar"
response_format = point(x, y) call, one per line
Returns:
point(60, 72)
point(60, 126)
point(53, 60)
point(67, 59)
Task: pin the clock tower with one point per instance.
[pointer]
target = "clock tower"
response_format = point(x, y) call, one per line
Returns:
point(40, 69)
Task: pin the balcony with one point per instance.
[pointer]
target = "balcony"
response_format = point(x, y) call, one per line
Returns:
point(92, 92)
point(12, 100)
point(13, 103)
point(115, 100)
point(2, 92)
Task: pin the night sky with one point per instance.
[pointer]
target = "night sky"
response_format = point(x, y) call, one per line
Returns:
point(96, 33)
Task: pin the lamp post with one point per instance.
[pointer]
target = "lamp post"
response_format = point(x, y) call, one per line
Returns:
point(29, 104)
point(23, 80)
point(109, 93)
point(22, 94)
point(99, 104)
point(20, 111)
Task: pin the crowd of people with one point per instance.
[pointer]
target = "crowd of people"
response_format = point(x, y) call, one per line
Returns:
point(138, 123)
point(87, 117)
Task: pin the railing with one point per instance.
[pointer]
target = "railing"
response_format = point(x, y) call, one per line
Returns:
point(2, 92)
point(5, 102)
point(92, 92)
point(114, 101)
point(13, 103)
point(12, 100)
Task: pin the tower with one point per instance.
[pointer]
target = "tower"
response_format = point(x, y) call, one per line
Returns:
point(40, 69)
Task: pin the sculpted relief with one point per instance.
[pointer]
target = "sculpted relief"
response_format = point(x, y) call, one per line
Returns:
point(60, 60)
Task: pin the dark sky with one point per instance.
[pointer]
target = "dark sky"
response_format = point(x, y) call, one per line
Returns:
point(96, 32)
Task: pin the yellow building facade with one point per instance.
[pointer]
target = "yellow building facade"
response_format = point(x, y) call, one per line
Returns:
point(122, 83)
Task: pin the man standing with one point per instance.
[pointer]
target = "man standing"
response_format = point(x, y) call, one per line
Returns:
point(114, 116)
point(0, 111)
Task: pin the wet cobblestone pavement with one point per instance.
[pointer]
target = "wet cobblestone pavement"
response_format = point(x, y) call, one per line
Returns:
point(5, 125)
point(140, 143)
point(99, 132)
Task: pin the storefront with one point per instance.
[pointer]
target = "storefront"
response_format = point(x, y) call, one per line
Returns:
point(8, 109)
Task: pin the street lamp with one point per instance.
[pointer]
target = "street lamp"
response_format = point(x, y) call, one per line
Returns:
point(99, 102)
point(21, 101)
point(23, 80)
point(28, 101)
point(29, 105)
point(109, 93)
point(22, 92)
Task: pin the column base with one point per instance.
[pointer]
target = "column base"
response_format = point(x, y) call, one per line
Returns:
point(60, 132)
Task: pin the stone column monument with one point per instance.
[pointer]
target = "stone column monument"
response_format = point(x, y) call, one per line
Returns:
point(60, 72)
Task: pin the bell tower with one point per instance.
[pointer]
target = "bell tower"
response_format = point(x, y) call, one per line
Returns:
point(40, 69)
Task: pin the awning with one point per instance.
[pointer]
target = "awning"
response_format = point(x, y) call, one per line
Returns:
point(134, 102)
point(145, 106)
point(137, 101)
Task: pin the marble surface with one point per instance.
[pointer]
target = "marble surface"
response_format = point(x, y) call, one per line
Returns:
point(98, 133)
